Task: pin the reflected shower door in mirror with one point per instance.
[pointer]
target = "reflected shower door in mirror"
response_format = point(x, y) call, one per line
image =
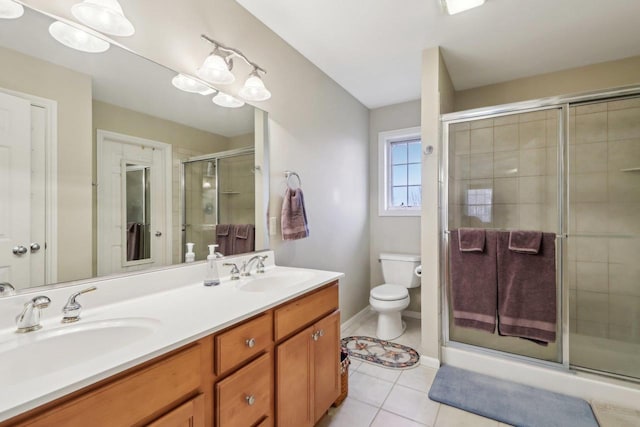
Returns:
point(218, 189)
point(67, 98)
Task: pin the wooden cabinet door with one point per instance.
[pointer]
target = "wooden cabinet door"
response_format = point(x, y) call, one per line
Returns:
point(189, 414)
point(326, 364)
point(294, 390)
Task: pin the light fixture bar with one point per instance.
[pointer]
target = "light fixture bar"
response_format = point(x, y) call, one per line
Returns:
point(233, 52)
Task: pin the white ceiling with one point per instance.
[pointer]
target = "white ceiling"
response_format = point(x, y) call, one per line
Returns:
point(373, 48)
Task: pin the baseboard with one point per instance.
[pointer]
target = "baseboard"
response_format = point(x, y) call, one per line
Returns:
point(412, 314)
point(357, 318)
point(429, 362)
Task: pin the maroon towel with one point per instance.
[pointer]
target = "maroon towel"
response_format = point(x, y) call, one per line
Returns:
point(244, 239)
point(527, 290)
point(471, 239)
point(474, 284)
point(225, 237)
point(526, 242)
point(293, 218)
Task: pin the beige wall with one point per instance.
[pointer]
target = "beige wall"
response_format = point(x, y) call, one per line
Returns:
point(185, 142)
point(576, 80)
point(316, 128)
point(72, 92)
point(396, 234)
point(241, 141)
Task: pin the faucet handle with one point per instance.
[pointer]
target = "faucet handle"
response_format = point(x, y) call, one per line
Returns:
point(235, 272)
point(260, 266)
point(7, 289)
point(72, 308)
point(29, 319)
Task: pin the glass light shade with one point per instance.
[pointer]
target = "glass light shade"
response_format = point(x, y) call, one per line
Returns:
point(189, 84)
point(225, 100)
point(457, 6)
point(254, 90)
point(10, 9)
point(215, 70)
point(77, 39)
point(105, 16)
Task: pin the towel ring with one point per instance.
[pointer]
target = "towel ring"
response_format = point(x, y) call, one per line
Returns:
point(289, 175)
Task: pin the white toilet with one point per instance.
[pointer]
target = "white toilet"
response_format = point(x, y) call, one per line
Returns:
point(392, 297)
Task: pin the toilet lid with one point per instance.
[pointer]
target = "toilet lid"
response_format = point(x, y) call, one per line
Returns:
point(389, 292)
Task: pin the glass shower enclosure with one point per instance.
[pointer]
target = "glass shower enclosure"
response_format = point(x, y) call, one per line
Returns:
point(216, 189)
point(565, 166)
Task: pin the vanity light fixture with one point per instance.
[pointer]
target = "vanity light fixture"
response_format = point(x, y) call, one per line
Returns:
point(189, 84)
point(105, 16)
point(456, 6)
point(226, 100)
point(76, 38)
point(254, 89)
point(217, 68)
point(10, 9)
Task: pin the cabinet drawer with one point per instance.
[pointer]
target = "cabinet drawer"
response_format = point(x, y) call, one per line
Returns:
point(245, 397)
point(130, 400)
point(240, 343)
point(300, 313)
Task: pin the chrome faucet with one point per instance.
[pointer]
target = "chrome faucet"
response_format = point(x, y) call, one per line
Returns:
point(71, 310)
point(29, 319)
point(7, 289)
point(246, 266)
point(235, 272)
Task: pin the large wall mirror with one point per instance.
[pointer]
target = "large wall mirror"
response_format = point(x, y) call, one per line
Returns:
point(107, 168)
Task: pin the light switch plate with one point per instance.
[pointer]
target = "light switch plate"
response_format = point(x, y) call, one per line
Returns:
point(273, 224)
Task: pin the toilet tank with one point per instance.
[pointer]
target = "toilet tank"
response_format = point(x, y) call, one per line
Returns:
point(397, 269)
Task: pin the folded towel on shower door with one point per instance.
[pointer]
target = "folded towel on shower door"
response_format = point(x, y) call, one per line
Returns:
point(474, 284)
point(527, 290)
point(471, 239)
point(225, 237)
point(527, 242)
point(244, 238)
point(294, 216)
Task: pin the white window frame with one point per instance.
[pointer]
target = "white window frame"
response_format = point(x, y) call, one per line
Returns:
point(384, 141)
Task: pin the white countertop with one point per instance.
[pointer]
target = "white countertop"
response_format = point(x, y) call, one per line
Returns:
point(180, 315)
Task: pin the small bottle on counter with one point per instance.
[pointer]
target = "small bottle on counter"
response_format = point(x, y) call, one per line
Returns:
point(212, 278)
point(190, 256)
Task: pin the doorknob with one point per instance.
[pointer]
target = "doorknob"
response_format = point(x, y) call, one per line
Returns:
point(158, 233)
point(35, 247)
point(19, 250)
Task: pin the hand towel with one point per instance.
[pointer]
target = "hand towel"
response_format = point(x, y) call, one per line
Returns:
point(244, 239)
point(474, 285)
point(294, 216)
point(471, 239)
point(527, 290)
point(527, 242)
point(225, 237)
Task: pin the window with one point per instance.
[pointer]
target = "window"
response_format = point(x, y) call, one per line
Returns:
point(400, 171)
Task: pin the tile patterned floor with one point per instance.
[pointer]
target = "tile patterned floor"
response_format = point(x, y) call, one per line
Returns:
point(381, 397)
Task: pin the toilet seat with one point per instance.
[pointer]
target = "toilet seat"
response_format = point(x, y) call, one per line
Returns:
point(388, 292)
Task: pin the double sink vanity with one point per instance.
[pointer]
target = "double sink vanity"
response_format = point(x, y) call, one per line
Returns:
point(158, 348)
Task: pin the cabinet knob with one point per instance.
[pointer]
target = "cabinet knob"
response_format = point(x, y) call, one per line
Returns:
point(251, 342)
point(250, 399)
point(315, 336)
point(321, 332)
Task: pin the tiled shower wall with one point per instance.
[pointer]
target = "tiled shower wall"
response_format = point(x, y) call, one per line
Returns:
point(604, 253)
point(503, 172)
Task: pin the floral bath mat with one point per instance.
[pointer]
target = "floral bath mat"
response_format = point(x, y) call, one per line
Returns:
point(385, 353)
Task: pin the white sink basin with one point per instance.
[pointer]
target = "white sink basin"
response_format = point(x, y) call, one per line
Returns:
point(273, 281)
point(31, 355)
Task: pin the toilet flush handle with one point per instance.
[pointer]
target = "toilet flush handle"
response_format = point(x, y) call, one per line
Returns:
point(418, 271)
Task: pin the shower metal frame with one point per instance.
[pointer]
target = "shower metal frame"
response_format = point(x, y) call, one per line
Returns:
point(213, 157)
point(561, 103)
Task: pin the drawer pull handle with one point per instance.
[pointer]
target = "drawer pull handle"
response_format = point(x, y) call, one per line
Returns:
point(250, 400)
point(315, 336)
point(251, 342)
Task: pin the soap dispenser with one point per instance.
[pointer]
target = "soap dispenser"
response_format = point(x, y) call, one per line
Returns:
point(190, 256)
point(212, 278)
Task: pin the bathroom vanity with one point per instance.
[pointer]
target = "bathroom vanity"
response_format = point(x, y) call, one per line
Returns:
point(268, 356)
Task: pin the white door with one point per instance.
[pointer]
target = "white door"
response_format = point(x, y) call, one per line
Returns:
point(119, 158)
point(15, 189)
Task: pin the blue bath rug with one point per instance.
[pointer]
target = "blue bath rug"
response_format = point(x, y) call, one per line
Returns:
point(508, 402)
point(380, 352)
